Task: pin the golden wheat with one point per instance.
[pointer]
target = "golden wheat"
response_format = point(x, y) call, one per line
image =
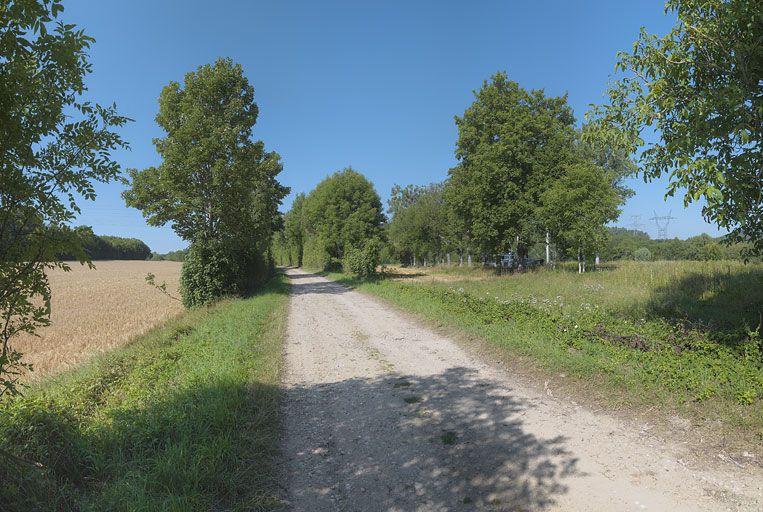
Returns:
point(97, 310)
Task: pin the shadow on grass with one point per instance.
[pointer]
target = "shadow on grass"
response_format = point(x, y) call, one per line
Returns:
point(209, 447)
point(459, 445)
point(449, 441)
point(181, 419)
point(389, 274)
point(724, 303)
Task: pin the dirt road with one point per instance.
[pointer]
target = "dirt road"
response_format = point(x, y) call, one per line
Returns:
point(382, 414)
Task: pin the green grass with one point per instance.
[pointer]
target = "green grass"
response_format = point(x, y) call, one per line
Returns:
point(723, 296)
point(183, 418)
point(678, 335)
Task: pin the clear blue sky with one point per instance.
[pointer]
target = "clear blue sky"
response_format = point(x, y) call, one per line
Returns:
point(374, 85)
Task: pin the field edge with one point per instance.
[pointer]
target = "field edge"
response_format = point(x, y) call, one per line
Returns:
point(185, 416)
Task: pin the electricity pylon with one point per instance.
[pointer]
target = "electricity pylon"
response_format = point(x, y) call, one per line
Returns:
point(662, 222)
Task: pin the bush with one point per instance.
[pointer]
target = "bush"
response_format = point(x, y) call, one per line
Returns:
point(362, 262)
point(206, 275)
point(642, 254)
point(215, 269)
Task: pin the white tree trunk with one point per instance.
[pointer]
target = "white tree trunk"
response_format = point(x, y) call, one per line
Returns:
point(548, 248)
point(581, 269)
point(469, 259)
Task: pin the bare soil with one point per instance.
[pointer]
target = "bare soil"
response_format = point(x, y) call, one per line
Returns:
point(384, 414)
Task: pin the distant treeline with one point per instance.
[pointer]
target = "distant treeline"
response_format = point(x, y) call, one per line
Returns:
point(170, 256)
point(634, 244)
point(103, 247)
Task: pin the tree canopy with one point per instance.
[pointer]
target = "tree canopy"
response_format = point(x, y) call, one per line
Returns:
point(420, 226)
point(511, 144)
point(576, 208)
point(342, 211)
point(215, 186)
point(699, 88)
point(294, 231)
point(54, 146)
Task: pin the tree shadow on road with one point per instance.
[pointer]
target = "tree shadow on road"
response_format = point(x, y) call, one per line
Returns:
point(450, 441)
point(298, 286)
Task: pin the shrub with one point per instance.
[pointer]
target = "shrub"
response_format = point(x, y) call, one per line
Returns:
point(215, 269)
point(362, 262)
point(209, 272)
point(642, 254)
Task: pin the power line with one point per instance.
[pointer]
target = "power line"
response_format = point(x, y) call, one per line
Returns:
point(662, 222)
point(635, 223)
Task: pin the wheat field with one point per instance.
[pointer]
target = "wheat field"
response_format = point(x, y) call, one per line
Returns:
point(96, 310)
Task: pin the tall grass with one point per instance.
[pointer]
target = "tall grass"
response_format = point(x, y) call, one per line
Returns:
point(184, 418)
point(716, 295)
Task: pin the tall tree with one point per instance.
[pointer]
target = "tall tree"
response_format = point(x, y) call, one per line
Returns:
point(577, 207)
point(342, 211)
point(699, 87)
point(53, 147)
point(419, 227)
point(215, 186)
point(512, 143)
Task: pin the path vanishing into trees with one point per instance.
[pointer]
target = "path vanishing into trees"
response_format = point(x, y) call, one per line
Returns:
point(382, 414)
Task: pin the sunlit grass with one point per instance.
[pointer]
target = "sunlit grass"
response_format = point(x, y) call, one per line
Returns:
point(667, 334)
point(184, 418)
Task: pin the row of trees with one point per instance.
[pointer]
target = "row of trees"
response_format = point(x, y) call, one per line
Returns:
point(337, 225)
point(634, 244)
point(178, 255)
point(103, 247)
point(525, 175)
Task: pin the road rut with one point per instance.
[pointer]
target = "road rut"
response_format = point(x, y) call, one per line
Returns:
point(382, 414)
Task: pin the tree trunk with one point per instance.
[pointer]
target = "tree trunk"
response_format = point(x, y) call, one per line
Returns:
point(548, 249)
point(448, 259)
point(469, 259)
point(580, 261)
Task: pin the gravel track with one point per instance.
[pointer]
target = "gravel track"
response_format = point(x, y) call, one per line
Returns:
point(382, 414)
